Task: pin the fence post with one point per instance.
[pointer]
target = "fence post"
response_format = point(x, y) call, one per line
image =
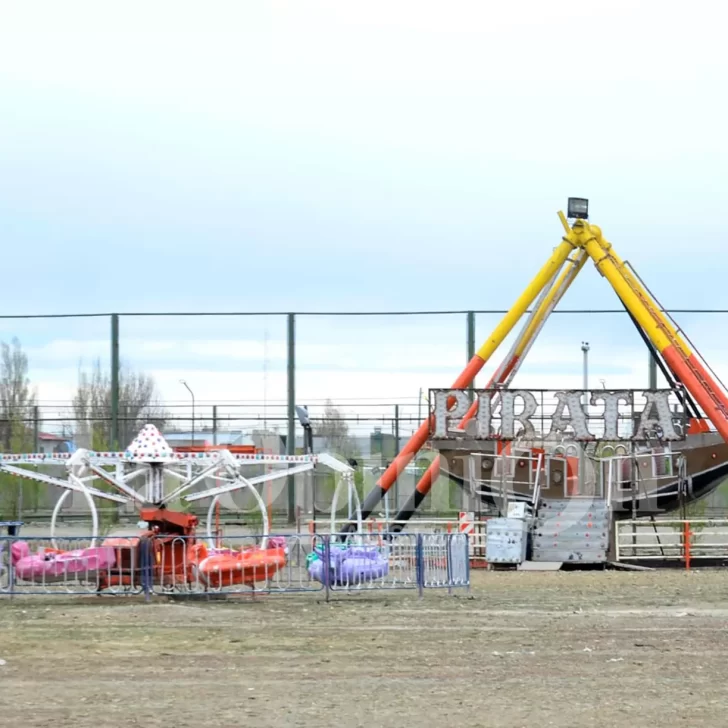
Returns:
point(448, 560)
point(214, 424)
point(687, 535)
point(467, 562)
point(291, 436)
point(36, 428)
point(146, 567)
point(12, 533)
point(420, 562)
point(114, 444)
point(327, 566)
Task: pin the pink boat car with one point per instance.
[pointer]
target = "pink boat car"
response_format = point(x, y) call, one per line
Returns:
point(52, 565)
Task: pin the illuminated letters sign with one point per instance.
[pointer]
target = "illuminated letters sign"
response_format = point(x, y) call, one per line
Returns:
point(507, 414)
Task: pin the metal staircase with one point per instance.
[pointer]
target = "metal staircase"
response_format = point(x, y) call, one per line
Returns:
point(571, 531)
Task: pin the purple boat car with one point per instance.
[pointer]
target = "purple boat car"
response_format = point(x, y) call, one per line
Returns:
point(350, 566)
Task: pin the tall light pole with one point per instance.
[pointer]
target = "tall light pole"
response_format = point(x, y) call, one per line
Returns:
point(192, 394)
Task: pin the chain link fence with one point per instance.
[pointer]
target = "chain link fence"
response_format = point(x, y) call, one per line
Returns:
point(367, 435)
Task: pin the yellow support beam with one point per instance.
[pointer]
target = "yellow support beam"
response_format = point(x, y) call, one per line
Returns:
point(541, 279)
point(637, 286)
point(419, 437)
point(678, 357)
point(558, 290)
point(608, 267)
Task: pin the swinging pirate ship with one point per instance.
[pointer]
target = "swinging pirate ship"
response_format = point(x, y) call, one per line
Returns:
point(648, 451)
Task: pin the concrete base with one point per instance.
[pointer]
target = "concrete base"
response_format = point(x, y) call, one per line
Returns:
point(627, 567)
point(540, 566)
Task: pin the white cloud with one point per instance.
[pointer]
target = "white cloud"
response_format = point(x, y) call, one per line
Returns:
point(400, 107)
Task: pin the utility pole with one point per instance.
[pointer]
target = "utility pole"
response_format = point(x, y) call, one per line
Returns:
point(192, 394)
point(470, 321)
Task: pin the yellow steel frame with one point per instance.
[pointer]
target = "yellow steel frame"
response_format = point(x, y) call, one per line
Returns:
point(584, 240)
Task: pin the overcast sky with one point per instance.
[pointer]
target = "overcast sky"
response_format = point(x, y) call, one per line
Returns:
point(379, 155)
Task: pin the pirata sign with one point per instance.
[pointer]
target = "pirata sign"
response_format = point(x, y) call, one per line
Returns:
point(509, 414)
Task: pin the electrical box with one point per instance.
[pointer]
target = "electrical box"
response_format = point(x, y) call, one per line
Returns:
point(506, 541)
point(517, 509)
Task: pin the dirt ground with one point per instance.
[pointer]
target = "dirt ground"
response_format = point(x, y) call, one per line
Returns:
point(600, 649)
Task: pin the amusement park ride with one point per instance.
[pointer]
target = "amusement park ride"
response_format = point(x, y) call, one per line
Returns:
point(168, 545)
point(670, 456)
point(648, 451)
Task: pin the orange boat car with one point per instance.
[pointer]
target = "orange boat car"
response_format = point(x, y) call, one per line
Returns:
point(170, 537)
point(225, 567)
point(177, 557)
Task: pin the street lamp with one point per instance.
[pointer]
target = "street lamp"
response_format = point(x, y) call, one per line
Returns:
point(192, 394)
point(585, 350)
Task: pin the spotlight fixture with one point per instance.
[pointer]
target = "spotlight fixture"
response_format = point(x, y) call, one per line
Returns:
point(578, 208)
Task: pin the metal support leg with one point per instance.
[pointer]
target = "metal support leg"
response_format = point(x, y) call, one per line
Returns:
point(291, 437)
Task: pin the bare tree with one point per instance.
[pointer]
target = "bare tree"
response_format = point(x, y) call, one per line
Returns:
point(16, 398)
point(138, 404)
point(334, 431)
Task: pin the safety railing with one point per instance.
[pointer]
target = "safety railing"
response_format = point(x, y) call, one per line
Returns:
point(379, 526)
point(155, 566)
point(663, 539)
point(70, 566)
point(446, 561)
point(642, 471)
point(389, 561)
point(477, 537)
point(238, 564)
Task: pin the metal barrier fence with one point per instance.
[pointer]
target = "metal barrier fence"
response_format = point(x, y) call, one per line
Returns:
point(287, 564)
point(664, 539)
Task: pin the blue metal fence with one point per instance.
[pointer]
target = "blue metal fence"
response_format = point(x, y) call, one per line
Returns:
point(286, 564)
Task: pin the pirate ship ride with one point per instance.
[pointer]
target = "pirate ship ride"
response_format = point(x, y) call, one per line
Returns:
point(651, 449)
point(639, 474)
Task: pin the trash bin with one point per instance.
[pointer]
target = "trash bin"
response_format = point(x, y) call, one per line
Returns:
point(12, 526)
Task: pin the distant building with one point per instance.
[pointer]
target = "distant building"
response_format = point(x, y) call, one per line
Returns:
point(206, 438)
point(376, 448)
point(382, 444)
point(49, 443)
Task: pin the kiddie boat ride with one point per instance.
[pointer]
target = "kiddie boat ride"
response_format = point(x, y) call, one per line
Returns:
point(220, 567)
point(52, 565)
point(349, 565)
point(167, 551)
